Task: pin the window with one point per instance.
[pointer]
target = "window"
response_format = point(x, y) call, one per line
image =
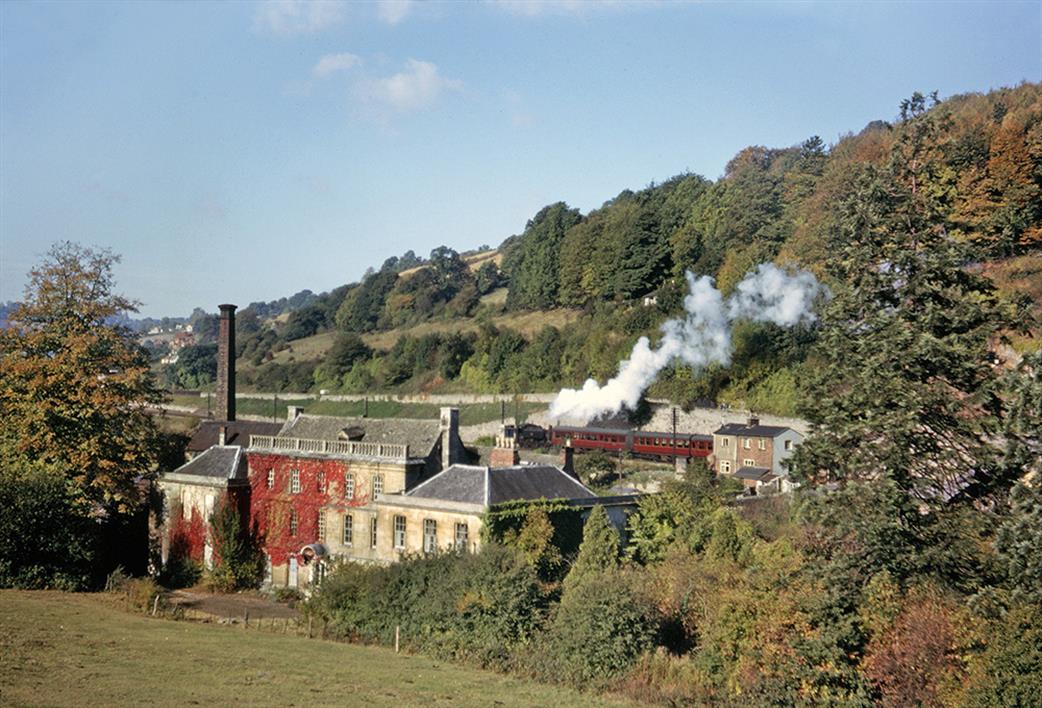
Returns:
point(747, 443)
point(292, 522)
point(462, 533)
point(294, 482)
point(399, 532)
point(748, 463)
point(349, 485)
point(271, 478)
point(349, 529)
point(378, 484)
point(430, 535)
point(762, 444)
point(321, 526)
point(725, 466)
point(372, 533)
point(788, 444)
point(320, 482)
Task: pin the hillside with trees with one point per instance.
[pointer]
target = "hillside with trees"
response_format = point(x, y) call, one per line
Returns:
point(444, 323)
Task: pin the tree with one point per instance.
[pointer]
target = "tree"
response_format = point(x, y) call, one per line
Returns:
point(904, 387)
point(599, 551)
point(239, 561)
point(533, 263)
point(74, 386)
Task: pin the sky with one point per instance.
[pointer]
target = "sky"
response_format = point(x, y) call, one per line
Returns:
point(243, 151)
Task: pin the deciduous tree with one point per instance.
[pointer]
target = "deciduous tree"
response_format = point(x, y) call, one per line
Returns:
point(73, 385)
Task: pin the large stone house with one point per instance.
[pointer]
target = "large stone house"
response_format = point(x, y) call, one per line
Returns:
point(754, 454)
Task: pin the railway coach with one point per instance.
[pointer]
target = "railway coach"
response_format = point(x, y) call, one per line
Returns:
point(637, 442)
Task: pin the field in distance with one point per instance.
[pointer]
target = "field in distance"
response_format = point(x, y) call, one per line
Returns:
point(62, 649)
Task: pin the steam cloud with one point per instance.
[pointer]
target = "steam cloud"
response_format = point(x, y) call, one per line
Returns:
point(702, 337)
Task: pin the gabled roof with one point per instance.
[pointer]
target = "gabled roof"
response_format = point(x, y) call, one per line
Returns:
point(752, 431)
point(419, 435)
point(759, 474)
point(219, 462)
point(238, 433)
point(494, 485)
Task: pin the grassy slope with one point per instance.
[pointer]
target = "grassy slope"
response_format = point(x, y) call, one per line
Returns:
point(315, 347)
point(65, 649)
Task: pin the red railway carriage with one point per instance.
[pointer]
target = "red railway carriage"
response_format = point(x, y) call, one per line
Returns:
point(638, 442)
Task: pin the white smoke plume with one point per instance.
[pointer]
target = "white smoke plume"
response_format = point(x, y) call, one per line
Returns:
point(702, 337)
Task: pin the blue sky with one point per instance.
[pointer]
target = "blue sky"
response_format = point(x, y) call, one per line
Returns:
point(244, 151)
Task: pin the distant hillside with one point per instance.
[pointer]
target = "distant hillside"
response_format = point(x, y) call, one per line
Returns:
point(449, 321)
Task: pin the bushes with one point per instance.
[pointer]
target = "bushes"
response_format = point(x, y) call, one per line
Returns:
point(477, 608)
point(602, 626)
point(239, 558)
point(47, 537)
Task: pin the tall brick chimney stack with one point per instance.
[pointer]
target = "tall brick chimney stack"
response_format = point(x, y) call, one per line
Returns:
point(226, 364)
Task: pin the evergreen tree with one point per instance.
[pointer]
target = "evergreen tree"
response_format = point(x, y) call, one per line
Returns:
point(599, 551)
point(533, 264)
point(905, 388)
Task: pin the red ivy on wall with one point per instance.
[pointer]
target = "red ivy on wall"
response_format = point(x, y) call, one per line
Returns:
point(187, 536)
point(321, 486)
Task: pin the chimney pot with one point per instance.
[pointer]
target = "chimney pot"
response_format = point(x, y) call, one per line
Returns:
point(222, 435)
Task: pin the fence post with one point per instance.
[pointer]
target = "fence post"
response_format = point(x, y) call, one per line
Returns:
point(245, 619)
point(309, 626)
point(397, 632)
point(155, 605)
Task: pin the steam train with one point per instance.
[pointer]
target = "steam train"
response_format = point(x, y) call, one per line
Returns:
point(637, 442)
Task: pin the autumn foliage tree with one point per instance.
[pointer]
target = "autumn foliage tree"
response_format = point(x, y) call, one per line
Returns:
point(73, 382)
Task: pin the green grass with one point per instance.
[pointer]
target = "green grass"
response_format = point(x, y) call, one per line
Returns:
point(61, 649)
point(470, 413)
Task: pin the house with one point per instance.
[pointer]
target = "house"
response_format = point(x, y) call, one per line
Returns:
point(755, 454)
point(322, 472)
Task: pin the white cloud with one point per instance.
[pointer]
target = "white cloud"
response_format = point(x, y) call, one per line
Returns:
point(289, 17)
point(393, 11)
point(419, 86)
point(332, 63)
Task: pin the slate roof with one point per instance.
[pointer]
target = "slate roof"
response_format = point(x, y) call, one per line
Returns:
point(752, 431)
point(419, 435)
point(494, 485)
point(759, 474)
point(239, 432)
point(218, 462)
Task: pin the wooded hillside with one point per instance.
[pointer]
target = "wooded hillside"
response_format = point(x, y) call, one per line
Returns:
point(622, 266)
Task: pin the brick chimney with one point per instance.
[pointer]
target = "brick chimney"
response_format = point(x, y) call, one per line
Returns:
point(293, 412)
point(753, 421)
point(451, 446)
point(226, 364)
point(222, 435)
point(505, 453)
point(568, 458)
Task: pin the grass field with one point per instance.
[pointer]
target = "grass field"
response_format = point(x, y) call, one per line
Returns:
point(61, 649)
point(470, 413)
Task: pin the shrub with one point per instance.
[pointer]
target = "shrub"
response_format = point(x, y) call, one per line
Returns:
point(239, 560)
point(602, 626)
point(472, 607)
point(47, 537)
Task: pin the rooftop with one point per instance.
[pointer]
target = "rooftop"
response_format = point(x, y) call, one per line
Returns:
point(494, 485)
point(752, 431)
point(218, 462)
point(419, 435)
point(238, 433)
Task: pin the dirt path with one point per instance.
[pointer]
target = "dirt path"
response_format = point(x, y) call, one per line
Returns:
point(231, 605)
